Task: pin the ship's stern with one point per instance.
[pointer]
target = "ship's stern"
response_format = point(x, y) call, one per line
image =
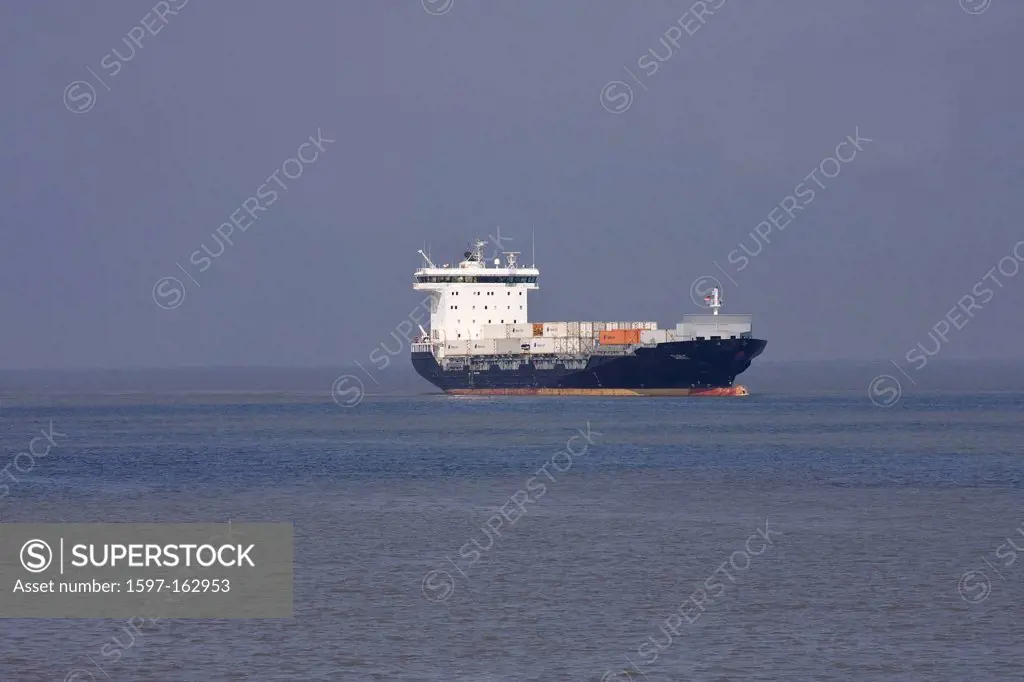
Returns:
point(426, 365)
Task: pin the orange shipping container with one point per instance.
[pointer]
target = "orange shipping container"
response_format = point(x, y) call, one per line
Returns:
point(619, 337)
point(538, 329)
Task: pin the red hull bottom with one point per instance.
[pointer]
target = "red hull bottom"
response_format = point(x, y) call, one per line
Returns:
point(644, 392)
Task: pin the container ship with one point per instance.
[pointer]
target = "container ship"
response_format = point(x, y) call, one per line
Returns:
point(481, 342)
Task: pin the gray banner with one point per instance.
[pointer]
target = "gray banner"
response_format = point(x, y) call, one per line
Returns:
point(151, 570)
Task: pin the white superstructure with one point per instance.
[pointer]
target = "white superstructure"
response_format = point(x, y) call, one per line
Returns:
point(474, 294)
point(480, 308)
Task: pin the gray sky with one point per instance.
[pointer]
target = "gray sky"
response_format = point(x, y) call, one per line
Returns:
point(491, 113)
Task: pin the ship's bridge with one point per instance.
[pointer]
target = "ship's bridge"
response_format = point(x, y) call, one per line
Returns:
point(475, 293)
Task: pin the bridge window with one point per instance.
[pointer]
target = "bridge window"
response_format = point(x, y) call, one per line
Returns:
point(473, 279)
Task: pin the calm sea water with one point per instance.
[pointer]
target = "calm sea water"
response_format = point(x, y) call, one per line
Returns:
point(825, 538)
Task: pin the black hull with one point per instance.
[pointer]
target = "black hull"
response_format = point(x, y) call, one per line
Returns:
point(703, 364)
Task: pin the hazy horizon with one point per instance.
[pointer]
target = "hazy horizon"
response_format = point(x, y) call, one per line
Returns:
point(763, 378)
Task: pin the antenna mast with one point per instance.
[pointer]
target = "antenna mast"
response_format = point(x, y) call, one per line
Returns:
point(713, 301)
point(478, 250)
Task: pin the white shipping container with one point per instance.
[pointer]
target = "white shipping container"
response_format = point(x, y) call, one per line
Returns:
point(515, 331)
point(509, 346)
point(482, 347)
point(586, 329)
point(572, 329)
point(556, 328)
point(652, 336)
point(574, 345)
point(567, 345)
point(542, 345)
